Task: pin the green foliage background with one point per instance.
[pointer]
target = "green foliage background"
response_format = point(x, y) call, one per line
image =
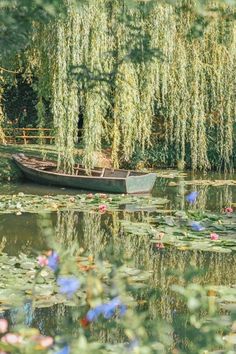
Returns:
point(131, 69)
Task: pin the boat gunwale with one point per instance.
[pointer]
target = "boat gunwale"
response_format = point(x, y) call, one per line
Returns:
point(19, 160)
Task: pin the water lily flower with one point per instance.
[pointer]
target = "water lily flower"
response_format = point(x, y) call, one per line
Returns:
point(53, 260)
point(159, 245)
point(192, 197)
point(68, 285)
point(12, 338)
point(229, 210)
point(64, 350)
point(107, 310)
point(214, 236)
point(90, 195)
point(42, 261)
point(3, 325)
point(102, 208)
point(196, 226)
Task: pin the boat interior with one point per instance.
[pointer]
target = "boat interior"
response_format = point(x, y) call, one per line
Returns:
point(79, 170)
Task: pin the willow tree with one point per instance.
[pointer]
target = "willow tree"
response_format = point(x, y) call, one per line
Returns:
point(130, 71)
point(2, 138)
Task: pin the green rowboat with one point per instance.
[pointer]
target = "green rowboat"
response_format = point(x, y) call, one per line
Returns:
point(101, 179)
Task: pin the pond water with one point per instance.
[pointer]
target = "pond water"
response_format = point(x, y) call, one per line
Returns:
point(102, 235)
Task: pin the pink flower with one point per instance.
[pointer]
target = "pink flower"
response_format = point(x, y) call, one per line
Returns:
point(12, 338)
point(159, 245)
point(229, 210)
point(43, 341)
point(214, 236)
point(89, 195)
point(42, 261)
point(3, 325)
point(102, 208)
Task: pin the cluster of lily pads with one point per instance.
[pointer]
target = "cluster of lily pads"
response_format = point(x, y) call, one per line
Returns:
point(191, 229)
point(23, 203)
point(101, 290)
point(48, 280)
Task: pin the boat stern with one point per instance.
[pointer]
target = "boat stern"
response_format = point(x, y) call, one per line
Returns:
point(141, 184)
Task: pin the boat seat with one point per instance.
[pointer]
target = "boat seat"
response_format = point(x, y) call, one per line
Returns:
point(115, 173)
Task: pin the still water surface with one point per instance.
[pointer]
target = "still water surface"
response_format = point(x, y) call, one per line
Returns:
point(102, 234)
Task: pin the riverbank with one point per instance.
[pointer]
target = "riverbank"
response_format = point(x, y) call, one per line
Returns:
point(9, 172)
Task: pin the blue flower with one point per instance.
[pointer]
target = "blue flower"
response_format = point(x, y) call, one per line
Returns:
point(107, 310)
point(53, 261)
point(196, 226)
point(64, 350)
point(192, 197)
point(68, 285)
point(93, 314)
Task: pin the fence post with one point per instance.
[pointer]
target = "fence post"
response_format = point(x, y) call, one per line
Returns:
point(24, 137)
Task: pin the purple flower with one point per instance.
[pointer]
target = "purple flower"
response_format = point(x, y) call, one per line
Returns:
point(64, 350)
point(107, 310)
point(196, 226)
point(192, 197)
point(68, 285)
point(53, 261)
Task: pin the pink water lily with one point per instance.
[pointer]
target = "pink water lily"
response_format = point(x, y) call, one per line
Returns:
point(214, 236)
point(102, 208)
point(159, 245)
point(229, 210)
point(3, 325)
point(90, 195)
point(12, 338)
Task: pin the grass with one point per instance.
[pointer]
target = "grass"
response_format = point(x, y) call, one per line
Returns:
point(8, 170)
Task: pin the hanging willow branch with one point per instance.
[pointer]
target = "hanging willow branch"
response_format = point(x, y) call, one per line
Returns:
point(156, 73)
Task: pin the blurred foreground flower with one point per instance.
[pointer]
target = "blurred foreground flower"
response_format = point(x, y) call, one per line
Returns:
point(64, 350)
point(12, 338)
point(53, 260)
point(192, 197)
point(43, 341)
point(68, 285)
point(42, 261)
point(214, 236)
point(3, 325)
point(102, 208)
point(196, 226)
point(107, 310)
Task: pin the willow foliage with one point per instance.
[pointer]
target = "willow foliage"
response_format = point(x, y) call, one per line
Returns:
point(131, 71)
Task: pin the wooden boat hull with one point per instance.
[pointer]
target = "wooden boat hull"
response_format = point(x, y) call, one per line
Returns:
point(132, 184)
